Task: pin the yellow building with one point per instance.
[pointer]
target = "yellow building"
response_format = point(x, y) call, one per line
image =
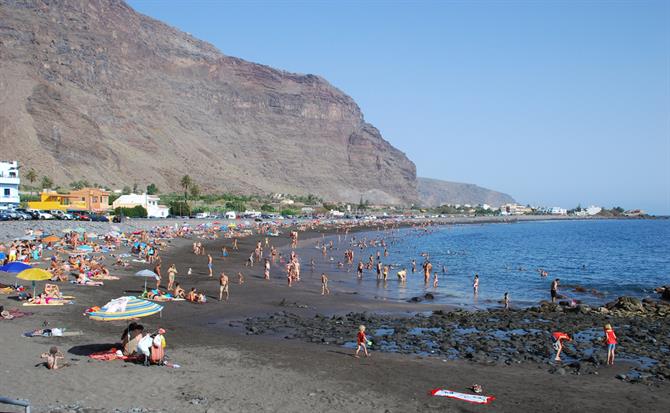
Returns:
point(85, 199)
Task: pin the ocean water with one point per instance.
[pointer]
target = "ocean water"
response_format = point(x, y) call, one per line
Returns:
point(608, 258)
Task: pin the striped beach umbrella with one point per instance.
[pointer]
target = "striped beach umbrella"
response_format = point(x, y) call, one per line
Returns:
point(125, 308)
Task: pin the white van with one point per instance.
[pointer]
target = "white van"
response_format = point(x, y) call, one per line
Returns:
point(231, 215)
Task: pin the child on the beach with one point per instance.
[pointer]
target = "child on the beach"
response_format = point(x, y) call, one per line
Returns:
point(361, 341)
point(435, 279)
point(52, 358)
point(611, 341)
point(558, 338)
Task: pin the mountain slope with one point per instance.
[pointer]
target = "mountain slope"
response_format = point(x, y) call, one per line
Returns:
point(434, 192)
point(93, 90)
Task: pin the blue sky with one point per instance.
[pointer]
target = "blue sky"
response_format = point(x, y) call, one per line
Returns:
point(555, 103)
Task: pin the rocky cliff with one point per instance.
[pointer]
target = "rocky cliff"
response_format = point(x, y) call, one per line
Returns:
point(434, 192)
point(90, 89)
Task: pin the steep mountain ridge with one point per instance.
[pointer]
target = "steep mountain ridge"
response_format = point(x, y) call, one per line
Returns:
point(92, 89)
point(434, 192)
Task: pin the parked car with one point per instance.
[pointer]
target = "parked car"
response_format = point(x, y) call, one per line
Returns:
point(45, 215)
point(98, 218)
point(79, 215)
point(4, 216)
point(28, 213)
point(61, 215)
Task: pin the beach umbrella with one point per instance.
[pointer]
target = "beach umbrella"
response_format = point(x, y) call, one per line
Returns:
point(34, 274)
point(146, 274)
point(16, 266)
point(50, 238)
point(125, 308)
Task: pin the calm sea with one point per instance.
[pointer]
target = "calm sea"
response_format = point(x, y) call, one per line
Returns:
point(608, 258)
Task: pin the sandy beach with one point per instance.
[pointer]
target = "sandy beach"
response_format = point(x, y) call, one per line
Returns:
point(233, 359)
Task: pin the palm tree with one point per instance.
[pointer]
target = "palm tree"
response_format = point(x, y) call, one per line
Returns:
point(186, 182)
point(47, 182)
point(32, 177)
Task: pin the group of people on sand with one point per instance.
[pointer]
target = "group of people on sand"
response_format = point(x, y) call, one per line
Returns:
point(148, 347)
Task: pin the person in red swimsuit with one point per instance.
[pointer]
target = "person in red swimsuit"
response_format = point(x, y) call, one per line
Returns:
point(611, 341)
point(361, 341)
point(558, 338)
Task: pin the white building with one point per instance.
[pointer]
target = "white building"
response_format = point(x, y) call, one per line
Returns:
point(593, 210)
point(558, 211)
point(149, 202)
point(514, 209)
point(9, 184)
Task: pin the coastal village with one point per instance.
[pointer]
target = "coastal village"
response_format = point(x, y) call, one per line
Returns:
point(97, 201)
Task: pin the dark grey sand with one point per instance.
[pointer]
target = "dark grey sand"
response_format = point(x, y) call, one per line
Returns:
point(225, 369)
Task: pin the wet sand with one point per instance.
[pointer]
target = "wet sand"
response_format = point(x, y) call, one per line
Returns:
point(226, 369)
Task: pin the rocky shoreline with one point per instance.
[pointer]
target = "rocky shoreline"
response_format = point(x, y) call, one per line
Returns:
point(502, 337)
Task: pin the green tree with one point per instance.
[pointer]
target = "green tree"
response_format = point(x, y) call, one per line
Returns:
point(237, 206)
point(186, 183)
point(135, 188)
point(47, 183)
point(80, 184)
point(267, 208)
point(180, 208)
point(286, 212)
point(152, 189)
point(195, 190)
point(126, 190)
point(32, 177)
point(137, 211)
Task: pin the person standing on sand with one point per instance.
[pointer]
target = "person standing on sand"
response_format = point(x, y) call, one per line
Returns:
point(223, 286)
point(172, 271)
point(361, 341)
point(235, 248)
point(475, 284)
point(324, 284)
point(157, 270)
point(554, 290)
point(209, 265)
point(266, 272)
point(611, 341)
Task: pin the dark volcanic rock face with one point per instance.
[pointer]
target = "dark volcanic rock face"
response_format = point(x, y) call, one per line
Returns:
point(94, 90)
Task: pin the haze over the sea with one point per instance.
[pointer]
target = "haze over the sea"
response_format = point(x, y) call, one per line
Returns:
point(555, 103)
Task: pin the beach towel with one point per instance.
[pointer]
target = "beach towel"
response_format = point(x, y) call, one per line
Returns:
point(104, 277)
point(112, 354)
point(52, 303)
point(470, 398)
point(12, 314)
